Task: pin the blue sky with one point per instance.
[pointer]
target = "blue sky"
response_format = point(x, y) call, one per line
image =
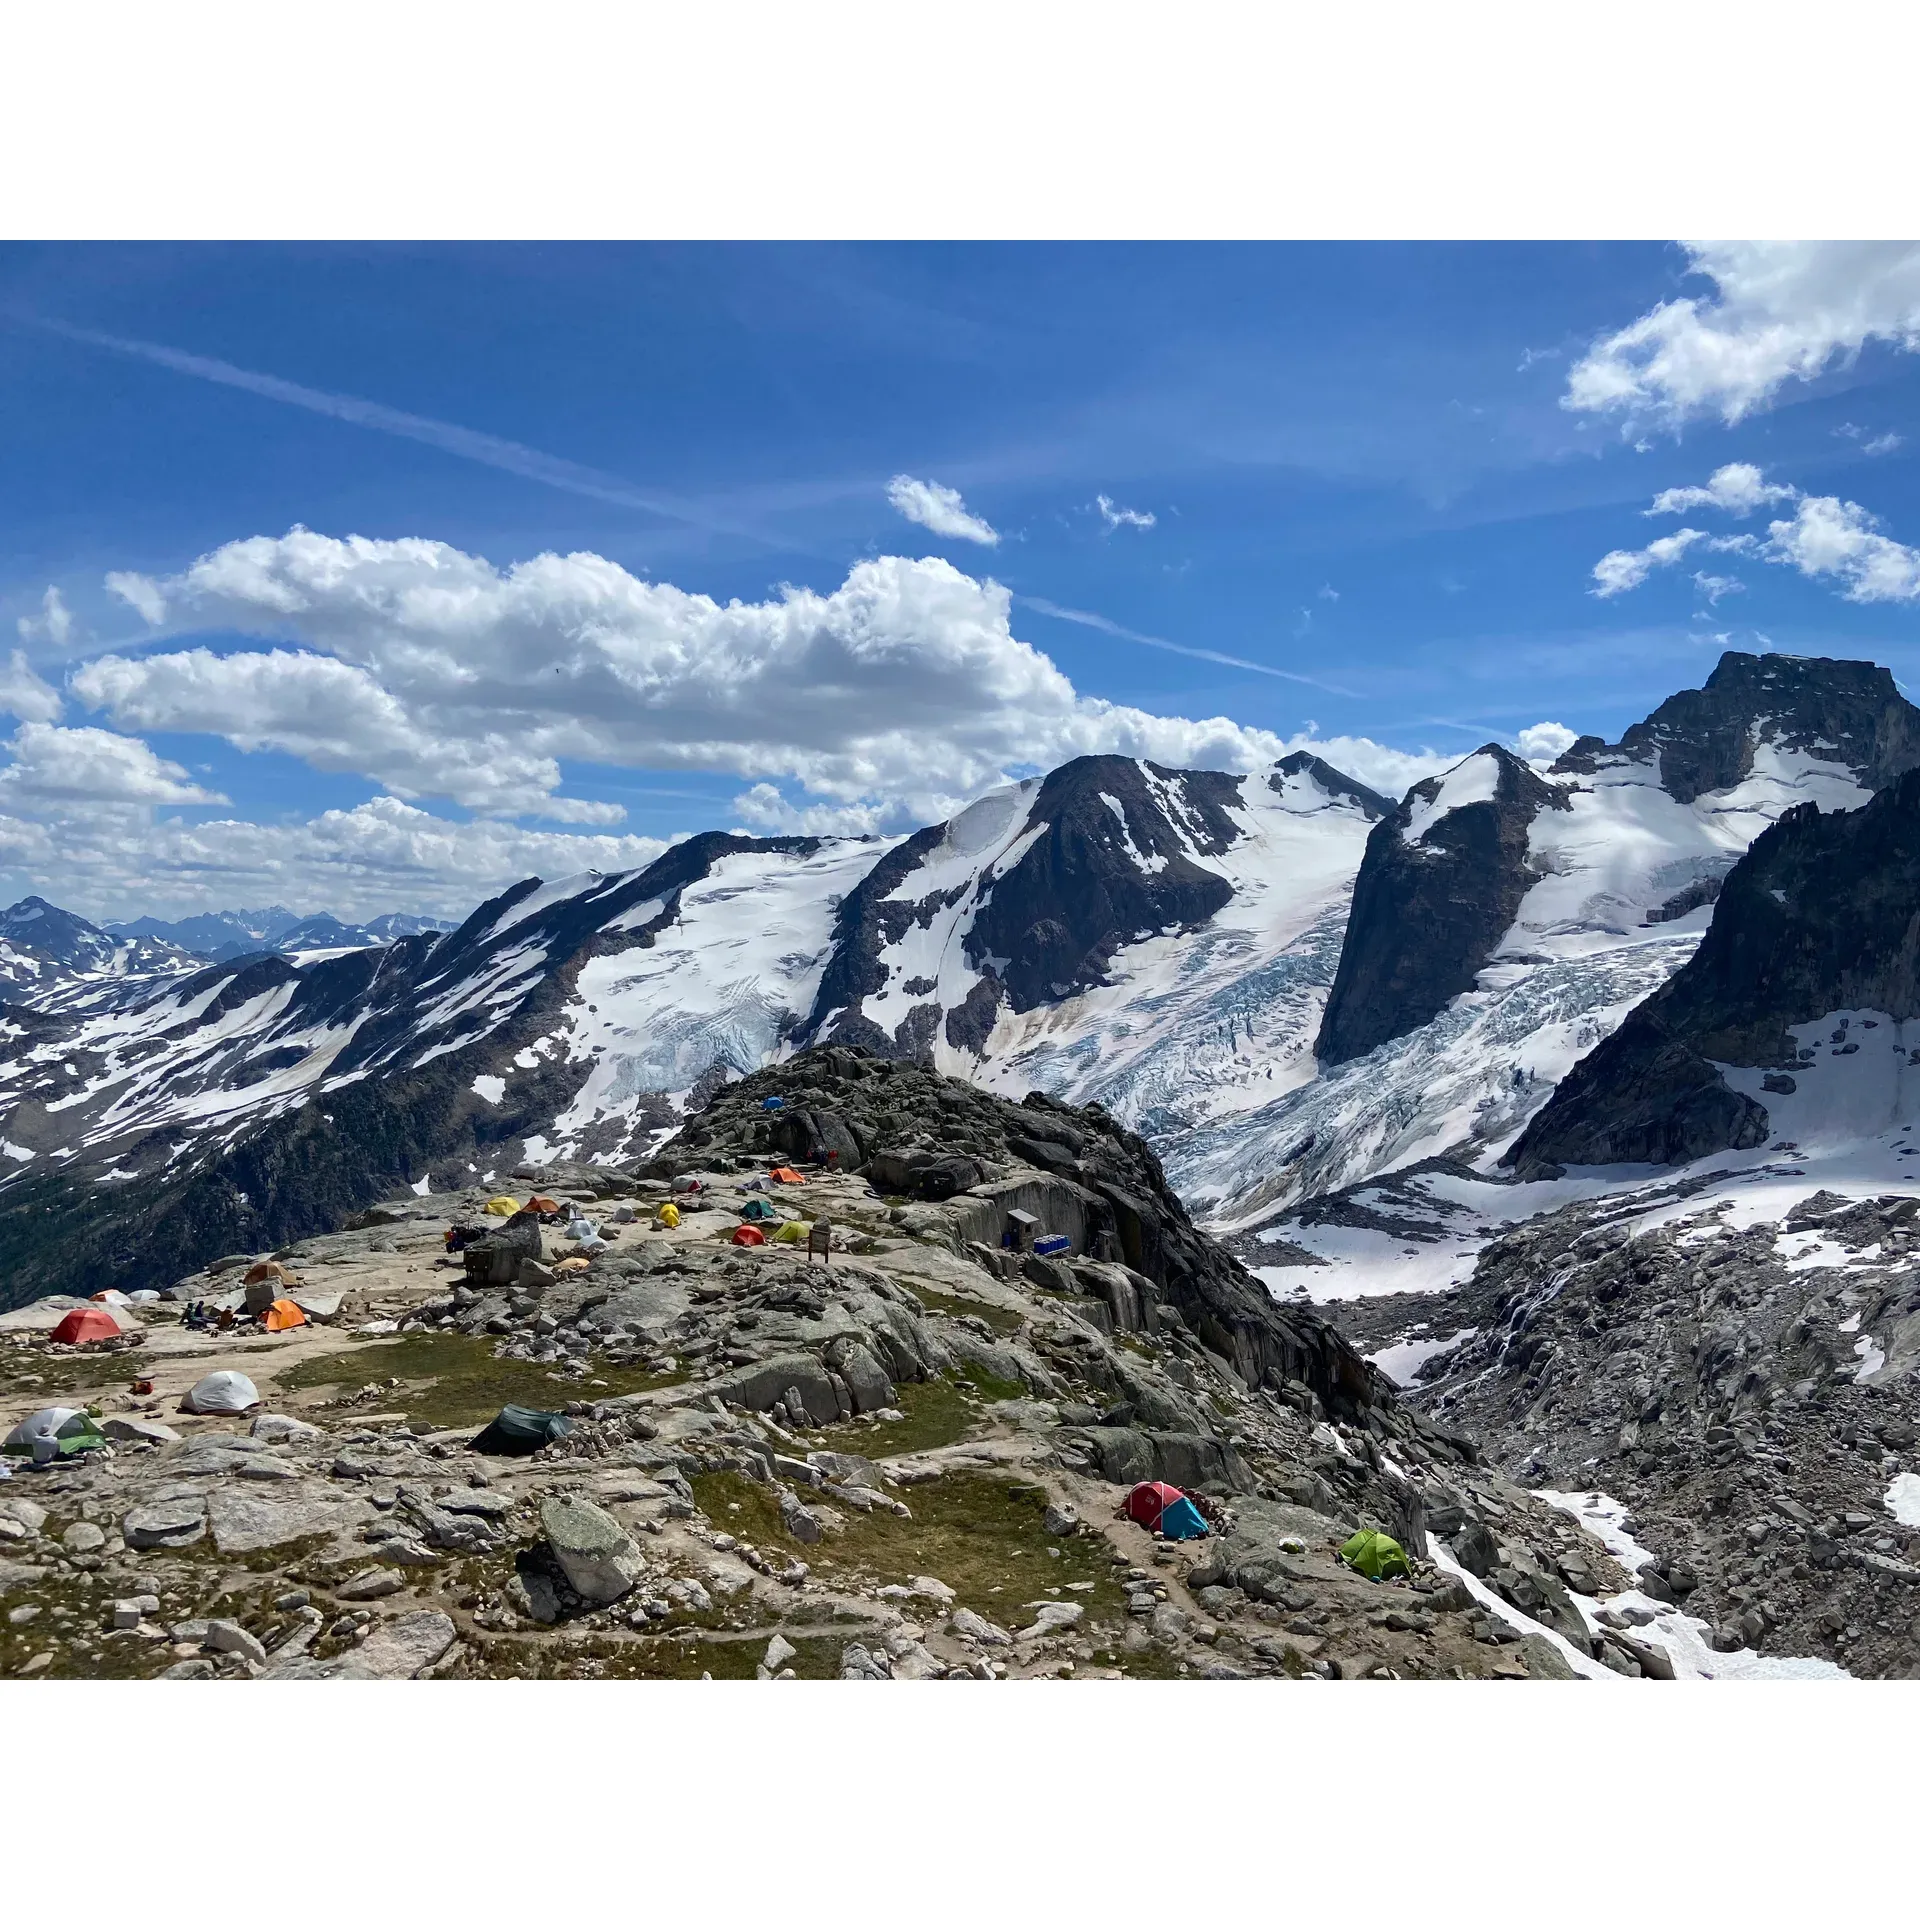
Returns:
point(1371, 504)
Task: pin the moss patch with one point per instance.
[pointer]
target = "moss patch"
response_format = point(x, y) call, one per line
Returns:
point(1000, 1319)
point(454, 1380)
point(978, 1532)
point(62, 1379)
point(938, 1411)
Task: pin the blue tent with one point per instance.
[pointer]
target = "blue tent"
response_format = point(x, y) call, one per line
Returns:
point(1181, 1520)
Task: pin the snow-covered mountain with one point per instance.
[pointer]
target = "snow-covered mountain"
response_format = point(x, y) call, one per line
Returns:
point(54, 961)
point(1174, 944)
point(1506, 919)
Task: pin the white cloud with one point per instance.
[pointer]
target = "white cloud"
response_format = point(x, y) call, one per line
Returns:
point(1545, 740)
point(1738, 488)
point(1826, 539)
point(105, 861)
point(88, 766)
point(439, 674)
point(335, 716)
point(24, 694)
point(1869, 444)
point(141, 595)
point(939, 509)
point(1781, 310)
point(1387, 770)
point(1833, 539)
point(53, 622)
point(1624, 568)
point(1121, 516)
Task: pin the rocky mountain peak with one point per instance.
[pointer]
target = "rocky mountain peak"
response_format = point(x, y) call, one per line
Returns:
point(1443, 876)
point(1703, 740)
point(1821, 915)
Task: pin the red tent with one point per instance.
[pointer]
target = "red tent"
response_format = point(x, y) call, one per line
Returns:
point(746, 1236)
point(84, 1325)
point(1146, 1502)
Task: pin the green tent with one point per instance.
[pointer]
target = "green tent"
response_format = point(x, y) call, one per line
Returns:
point(520, 1430)
point(758, 1210)
point(70, 1430)
point(1378, 1555)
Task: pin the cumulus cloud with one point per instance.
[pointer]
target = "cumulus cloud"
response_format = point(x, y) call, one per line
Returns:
point(106, 860)
point(53, 622)
point(1624, 568)
point(1738, 488)
point(141, 595)
point(1780, 311)
point(1544, 740)
point(1826, 539)
point(24, 694)
point(335, 716)
point(1121, 516)
point(939, 509)
point(89, 766)
point(442, 675)
point(1839, 540)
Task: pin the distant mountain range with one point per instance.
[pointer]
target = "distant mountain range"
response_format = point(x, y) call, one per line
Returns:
point(226, 936)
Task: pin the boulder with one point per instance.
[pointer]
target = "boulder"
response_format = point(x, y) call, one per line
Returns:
point(400, 1650)
point(277, 1427)
point(248, 1522)
point(599, 1559)
point(176, 1521)
point(229, 1636)
point(375, 1584)
point(800, 1520)
point(117, 1426)
point(21, 1517)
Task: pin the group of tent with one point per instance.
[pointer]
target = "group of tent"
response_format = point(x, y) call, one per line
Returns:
point(58, 1433)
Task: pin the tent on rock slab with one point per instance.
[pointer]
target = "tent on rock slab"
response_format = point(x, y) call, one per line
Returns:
point(84, 1325)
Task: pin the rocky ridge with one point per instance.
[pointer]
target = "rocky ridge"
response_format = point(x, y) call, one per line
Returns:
point(903, 1462)
point(1740, 1371)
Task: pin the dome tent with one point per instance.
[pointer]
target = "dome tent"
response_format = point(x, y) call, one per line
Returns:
point(83, 1326)
point(1165, 1510)
point(1378, 1555)
point(70, 1430)
point(223, 1392)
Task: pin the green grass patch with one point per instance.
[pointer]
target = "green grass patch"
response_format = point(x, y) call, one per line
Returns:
point(1000, 1319)
point(64, 1380)
point(938, 1411)
point(456, 1380)
point(978, 1532)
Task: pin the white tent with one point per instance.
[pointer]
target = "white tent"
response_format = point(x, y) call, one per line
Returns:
point(49, 1420)
point(223, 1392)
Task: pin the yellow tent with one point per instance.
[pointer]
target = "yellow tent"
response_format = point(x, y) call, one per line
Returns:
point(668, 1214)
point(792, 1232)
point(501, 1205)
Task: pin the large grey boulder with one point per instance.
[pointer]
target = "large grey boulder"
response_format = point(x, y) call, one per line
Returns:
point(176, 1521)
point(248, 1522)
point(400, 1650)
point(595, 1553)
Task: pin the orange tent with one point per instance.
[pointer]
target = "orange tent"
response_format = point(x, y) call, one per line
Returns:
point(541, 1204)
point(83, 1326)
point(745, 1236)
point(787, 1177)
point(283, 1316)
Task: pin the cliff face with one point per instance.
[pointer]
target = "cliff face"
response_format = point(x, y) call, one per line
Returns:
point(1443, 877)
point(1822, 914)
